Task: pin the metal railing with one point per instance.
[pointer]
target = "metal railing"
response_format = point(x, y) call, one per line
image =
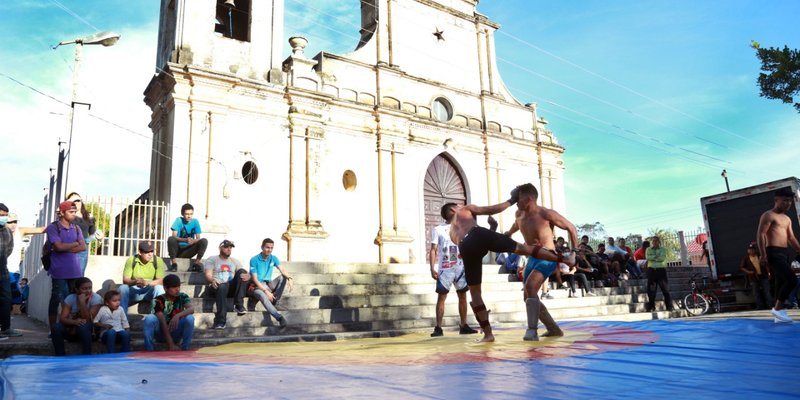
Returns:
point(121, 224)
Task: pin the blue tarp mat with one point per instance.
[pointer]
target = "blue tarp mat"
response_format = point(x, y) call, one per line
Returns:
point(694, 359)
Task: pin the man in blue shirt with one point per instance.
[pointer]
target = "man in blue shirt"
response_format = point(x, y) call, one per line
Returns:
point(185, 241)
point(262, 287)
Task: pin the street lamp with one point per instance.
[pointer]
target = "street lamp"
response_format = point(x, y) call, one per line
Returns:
point(102, 38)
point(724, 174)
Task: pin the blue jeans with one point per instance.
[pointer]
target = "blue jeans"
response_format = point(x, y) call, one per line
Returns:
point(276, 286)
point(81, 334)
point(133, 294)
point(152, 331)
point(60, 291)
point(111, 337)
point(793, 294)
point(83, 257)
point(634, 268)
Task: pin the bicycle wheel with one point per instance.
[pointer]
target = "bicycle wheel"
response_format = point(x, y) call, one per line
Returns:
point(695, 304)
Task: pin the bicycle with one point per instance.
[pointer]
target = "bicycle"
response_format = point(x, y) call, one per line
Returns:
point(700, 300)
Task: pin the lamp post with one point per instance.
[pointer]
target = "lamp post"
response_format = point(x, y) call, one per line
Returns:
point(724, 174)
point(102, 38)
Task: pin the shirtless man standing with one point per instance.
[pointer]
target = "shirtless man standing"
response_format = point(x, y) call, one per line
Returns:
point(474, 242)
point(536, 224)
point(774, 237)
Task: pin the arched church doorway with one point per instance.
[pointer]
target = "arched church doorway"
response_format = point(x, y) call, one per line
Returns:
point(443, 184)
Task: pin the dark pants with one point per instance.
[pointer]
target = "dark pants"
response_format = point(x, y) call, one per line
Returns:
point(785, 280)
point(237, 288)
point(657, 277)
point(83, 334)
point(583, 280)
point(197, 248)
point(5, 295)
point(59, 291)
point(761, 292)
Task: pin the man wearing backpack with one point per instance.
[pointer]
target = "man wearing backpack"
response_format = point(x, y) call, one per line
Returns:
point(64, 241)
point(142, 277)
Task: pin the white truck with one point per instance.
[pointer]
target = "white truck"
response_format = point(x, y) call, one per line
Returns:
point(731, 220)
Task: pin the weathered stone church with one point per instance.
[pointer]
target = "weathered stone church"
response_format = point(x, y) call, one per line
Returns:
point(338, 157)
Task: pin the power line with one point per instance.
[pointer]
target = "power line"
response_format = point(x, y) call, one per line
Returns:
point(621, 86)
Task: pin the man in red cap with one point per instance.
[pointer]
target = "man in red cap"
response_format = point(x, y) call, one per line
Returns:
point(66, 241)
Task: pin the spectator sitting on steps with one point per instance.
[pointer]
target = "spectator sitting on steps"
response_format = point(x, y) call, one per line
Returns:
point(185, 241)
point(262, 287)
point(142, 277)
point(77, 317)
point(226, 277)
point(172, 320)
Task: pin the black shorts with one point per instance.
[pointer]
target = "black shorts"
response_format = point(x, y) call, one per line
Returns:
point(476, 244)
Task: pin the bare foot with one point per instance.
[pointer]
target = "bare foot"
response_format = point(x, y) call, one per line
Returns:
point(557, 333)
point(487, 338)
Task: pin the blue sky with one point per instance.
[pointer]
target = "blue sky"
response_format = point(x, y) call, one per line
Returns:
point(652, 99)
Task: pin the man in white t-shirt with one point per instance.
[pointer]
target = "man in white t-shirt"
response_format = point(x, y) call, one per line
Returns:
point(451, 271)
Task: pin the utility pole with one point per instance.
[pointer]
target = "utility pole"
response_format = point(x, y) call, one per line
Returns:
point(725, 175)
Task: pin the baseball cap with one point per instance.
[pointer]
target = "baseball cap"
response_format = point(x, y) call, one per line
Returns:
point(66, 206)
point(172, 281)
point(12, 217)
point(227, 243)
point(145, 246)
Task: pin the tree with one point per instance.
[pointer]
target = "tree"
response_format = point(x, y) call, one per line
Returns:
point(595, 231)
point(101, 222)
point(782, 80)
point(669, 241)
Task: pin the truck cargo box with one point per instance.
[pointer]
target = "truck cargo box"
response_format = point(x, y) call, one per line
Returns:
point(731, 221)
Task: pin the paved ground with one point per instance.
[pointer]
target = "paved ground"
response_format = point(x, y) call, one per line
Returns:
point(734, 355)
point(35, 339)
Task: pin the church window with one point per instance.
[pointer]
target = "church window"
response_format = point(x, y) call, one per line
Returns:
point(250, 172)
point(349, 180)
point(442, 110)
point(233, 19)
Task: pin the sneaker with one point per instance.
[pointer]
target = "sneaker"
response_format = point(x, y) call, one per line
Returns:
point(589, 294)
point(779, 321)
point(196, 267)
point(437, 331)
point(547, 295)
point(779, 314)
point(9, 333)
point(219, 326)
point(240, 310)
point(466, 330)
point(282, 322)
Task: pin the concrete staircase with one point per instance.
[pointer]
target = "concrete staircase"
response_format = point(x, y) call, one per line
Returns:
point(337, 298)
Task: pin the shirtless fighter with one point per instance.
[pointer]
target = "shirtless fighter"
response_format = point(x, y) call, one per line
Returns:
point(474, 242)
point(536, 224)
point(774, 237)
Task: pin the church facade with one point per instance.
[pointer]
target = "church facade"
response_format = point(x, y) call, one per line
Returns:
point(338, 157)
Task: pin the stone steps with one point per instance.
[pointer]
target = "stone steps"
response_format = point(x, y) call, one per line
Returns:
point(332, 298)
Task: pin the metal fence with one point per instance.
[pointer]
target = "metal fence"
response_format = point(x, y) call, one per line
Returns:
point(121, 224)
point(683, 247)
